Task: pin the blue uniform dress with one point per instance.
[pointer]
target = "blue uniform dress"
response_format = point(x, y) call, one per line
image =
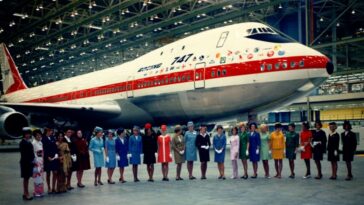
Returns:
point(110, 146)
point(219, 142)
point(96, 146)
point(122, 147)
point(135, 149)
point(254, 144)
point(190, 142)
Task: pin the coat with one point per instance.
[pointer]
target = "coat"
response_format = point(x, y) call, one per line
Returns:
point(234, 147)
point(265, 146)
point(319, 149)
point(121, 148)
point(97, 148)
point(219, 143)
point(244, 140)
point(278, 144)
point(111, 153)
point(203, 141)
point(178, 145)
point(164, 149)
point(50, 150)
point(73, 151)
point(150, 148)
point(333, 147)
point(349, 142)
point(26, 158)
point(190, 141)
point(135, 149)
point(83, 156)
point(305, 138)
point(254, 145)
point(292, 143)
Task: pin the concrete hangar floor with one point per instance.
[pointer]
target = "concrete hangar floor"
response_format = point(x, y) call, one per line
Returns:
point(211, 191)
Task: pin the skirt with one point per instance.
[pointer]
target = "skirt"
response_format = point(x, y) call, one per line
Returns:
point(278, 153)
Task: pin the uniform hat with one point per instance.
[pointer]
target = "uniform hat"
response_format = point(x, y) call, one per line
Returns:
point(177, 128)
point(147, 126)
point(136, 128)
point(110, 131)
point(189, 124)
point(120, 130)
point(164, 128)
point(27, 130)
point(347, 123)
point(332, 123)
point(253, 123)
point(98, 129)
point(292, 124)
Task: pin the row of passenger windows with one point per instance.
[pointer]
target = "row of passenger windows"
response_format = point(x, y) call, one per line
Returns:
point(165, 81)
point(283, 65)
point(218, 73)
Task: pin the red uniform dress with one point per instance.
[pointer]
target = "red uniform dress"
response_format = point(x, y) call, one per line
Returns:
point(306, 137)
point(164, 149)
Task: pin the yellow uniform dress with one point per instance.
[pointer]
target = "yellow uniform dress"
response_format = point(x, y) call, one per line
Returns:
point(278, 144)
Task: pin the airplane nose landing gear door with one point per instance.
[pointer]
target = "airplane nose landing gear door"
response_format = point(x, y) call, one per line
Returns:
point(199, 77)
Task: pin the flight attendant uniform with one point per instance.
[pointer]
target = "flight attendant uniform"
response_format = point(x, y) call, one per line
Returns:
point(121, 148)
point(254, 144)
point(83, 156)
point(164, 149)
point(243, 143)
point(219, 143)
point(333, 147)
point(319, 138)
point(306, 137)
point(135, 149)
point(203, 140)
point(278, 144)
point(178, 144)
point(111, 153)
point(190, 140)
point(234, 154)
point(150, 147)
point(292, 143)
point(264, 146)
point(26, 158)
point(349, 142)
point(50, 150)
point(38, 169)
point(97, 148)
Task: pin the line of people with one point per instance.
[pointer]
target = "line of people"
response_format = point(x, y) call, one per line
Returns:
point(59, 156)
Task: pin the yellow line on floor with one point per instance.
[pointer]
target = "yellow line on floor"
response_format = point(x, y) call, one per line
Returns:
point(360, 155)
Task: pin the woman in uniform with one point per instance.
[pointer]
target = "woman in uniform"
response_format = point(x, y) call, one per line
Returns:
point(219, 143)
point(243, 151)
point(292, 144)
point(121, 148)
point(110, 155)
point(150, 149)
point(319, 147)
point(51, 163)
point(164, 151)
point(253, 147)
point(136, 150)
point(65, 160)
point(333, 149)
point(348, 139)
point(97, 148)
point(306, 149)
point(178, 145)
point(191, 155)
point(265, 151)
point(234, 151)
point(277, 147)
point(83, 157)
point(38, 164)
point(26, 161)
point(203, 145)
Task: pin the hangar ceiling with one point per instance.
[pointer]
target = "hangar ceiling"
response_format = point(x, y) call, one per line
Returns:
point(55, 39)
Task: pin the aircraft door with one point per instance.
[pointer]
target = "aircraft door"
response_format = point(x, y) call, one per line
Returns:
point(129, 87)
point(199, 77)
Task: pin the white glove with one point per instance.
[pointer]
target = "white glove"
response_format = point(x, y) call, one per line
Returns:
point(39, 169)
point(207, 147)
point(117, 157)
point(55, 157)
point(74, 158)
point(142, 155)
point(107, 159)
point(216, 150)
point(102, 149)
point(170, 155)
point(284, 152)
point(246, 152)
point(315, 143)
point(302, 148)
point(182, 152)
point(257, 151)
point(270, 152)
point(129, 155)
point(203, 147)
point(156, 155)
point(335, 152)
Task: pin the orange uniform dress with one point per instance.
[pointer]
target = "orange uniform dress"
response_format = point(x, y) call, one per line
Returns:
point(306, 136)
point(164, 149)
point(278, 144)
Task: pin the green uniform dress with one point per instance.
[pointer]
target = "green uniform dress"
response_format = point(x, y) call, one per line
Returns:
point(264, 146)
point(292, 142)
point(244, 139)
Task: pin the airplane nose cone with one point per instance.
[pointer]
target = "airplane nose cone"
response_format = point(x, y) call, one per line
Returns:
point(329, 68)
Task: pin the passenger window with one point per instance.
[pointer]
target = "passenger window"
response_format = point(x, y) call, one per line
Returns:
point(183, 78)
point(269, 66)
point(222, 39)
point(293, 64)
point(277, 66)
point(188, 78)
point(224, 72)
point(197, 76)
point(218, 73)
point(262, 67)
point(302, 63)
point(166, 80)
point(212, 74)
point(284, 65)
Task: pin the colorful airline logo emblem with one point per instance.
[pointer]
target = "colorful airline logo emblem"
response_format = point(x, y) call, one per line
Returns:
point(281, 52)
point(270, 53)
point(250, 56)
point(217, 55)
point(229, 53)
point(256, 50)
point(223, 60)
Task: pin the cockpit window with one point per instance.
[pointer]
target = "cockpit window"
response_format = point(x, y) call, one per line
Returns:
point(270, 37)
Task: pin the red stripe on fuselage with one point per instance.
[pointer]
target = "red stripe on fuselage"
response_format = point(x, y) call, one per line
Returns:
point(220, 71)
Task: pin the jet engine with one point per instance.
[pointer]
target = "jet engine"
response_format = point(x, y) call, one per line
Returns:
point(11, 123)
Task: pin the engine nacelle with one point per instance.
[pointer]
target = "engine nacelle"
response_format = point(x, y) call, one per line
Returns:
point(12, 123)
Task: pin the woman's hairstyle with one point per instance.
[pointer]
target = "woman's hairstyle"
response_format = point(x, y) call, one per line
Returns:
point(263, 126)
point(236, 130)
point(36, 131)
point(277, 125)
point(318, 122)
point(347, 123)
point(253, 123)
point(306, 125)
point(219, 127)
point(177, 129)
point(292, 125)
point(60, 133)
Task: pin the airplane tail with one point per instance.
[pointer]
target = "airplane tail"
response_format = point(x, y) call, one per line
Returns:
point(11, 79)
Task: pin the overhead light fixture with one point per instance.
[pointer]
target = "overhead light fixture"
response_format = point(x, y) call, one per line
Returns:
point(1, 30)
point(23, 16)
point(321, 19)
point(353, 12)
point(11, 45)
point(86, 42)
point(12, 23)
point(31, 35)
point(60, 38)
point(95, 27)
point(44, 28)
point(41, 48)
point(338, 24)
point(20, 40)
point(280, 6)
point(58, 21)
point(18, 56)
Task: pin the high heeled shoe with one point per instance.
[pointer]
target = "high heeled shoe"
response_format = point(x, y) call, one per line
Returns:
point(27, 198)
